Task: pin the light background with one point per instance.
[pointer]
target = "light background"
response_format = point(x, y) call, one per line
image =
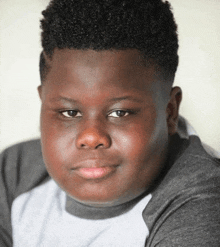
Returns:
point(198, 74)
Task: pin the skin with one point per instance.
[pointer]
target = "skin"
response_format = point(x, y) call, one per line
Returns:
point(105, 109)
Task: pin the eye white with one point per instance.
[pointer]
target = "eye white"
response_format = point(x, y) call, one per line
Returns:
point(71, 114)
point(119, 113)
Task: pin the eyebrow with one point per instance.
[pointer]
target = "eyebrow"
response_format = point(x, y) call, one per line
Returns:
point(63, 99)
point(126, 98)
point(110, 100)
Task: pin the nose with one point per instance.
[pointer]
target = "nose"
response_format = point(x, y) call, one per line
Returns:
point(93, 138)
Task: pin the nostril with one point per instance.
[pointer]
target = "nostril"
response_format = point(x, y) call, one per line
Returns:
point(95, 147)
point(99, 145)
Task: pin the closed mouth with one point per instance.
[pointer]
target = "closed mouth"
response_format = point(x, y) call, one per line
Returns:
point(95, 172)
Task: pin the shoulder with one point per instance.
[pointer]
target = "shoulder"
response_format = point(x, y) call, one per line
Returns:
point(192, 164)
point(21, 169)
point(24, 148)
point(186, 203)
point(22, 166)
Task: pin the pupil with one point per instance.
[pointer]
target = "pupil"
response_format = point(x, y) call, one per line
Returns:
point(120, 113)
point(72, 113)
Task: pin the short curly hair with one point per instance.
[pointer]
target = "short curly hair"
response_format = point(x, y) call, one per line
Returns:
point(145, 25)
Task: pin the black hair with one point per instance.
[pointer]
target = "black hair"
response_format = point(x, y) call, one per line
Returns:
point(145, 25)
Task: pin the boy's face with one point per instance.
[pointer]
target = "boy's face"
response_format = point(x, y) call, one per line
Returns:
point(103, 124)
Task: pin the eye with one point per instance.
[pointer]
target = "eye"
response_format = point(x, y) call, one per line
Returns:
point(71, 114)
point(119, 113)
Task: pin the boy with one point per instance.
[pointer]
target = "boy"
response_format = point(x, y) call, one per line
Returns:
point(122, 170)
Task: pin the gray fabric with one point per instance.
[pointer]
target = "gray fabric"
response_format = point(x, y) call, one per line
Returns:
point(21, 169)
point(185, 205)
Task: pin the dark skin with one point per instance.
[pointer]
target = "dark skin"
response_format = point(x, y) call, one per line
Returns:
point(105, 124)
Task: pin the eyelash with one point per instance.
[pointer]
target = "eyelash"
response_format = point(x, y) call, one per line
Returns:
point(67, 114)
point(125, 112)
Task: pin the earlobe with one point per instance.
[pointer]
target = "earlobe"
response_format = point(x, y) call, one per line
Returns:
point(39, 89)
point(173, 110)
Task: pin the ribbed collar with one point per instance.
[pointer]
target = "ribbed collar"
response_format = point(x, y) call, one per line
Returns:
point(96, 213)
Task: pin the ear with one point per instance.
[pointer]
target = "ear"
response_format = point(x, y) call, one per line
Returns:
point(172, 111)
point(39, 89)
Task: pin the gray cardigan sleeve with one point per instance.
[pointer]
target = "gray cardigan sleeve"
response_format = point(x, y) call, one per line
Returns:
point(193, 224)
point(9, 161)
point(185, 207)
point(21, 169)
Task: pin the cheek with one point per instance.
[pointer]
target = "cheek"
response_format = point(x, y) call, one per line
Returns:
point(134, 142)
point(141, 142)
point(56, 154)
point(56, 141)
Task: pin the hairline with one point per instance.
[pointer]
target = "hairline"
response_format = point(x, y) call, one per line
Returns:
point(45, 66)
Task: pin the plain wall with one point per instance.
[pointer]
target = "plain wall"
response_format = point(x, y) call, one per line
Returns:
point(198, 73)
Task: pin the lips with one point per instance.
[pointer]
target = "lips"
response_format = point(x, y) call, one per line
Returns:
point(94, 169)
point(96, 172)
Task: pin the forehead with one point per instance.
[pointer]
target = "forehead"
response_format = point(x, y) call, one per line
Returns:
point(124, 68)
